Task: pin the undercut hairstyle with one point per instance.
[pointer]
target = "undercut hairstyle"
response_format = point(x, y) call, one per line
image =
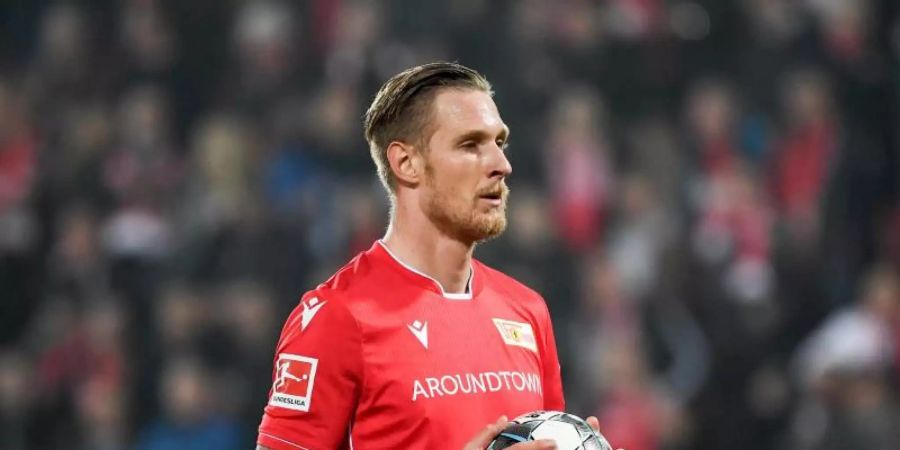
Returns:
point(402, 109)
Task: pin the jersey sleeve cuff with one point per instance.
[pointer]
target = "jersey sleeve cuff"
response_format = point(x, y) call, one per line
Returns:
point(273, 442)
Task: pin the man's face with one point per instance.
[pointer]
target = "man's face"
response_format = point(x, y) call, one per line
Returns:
point(466, 167)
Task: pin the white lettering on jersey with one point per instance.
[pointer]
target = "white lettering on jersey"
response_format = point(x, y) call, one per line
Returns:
point(472, 383)
point(310, 308)
point(420, 331)
point(293, 385)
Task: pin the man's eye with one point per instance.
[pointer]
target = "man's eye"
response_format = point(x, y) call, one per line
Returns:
point(469, 144)
point(502, 144)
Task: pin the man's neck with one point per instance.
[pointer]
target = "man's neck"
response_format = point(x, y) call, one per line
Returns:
point(424, 248)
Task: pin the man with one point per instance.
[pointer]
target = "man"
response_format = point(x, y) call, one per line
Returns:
point(414, 344)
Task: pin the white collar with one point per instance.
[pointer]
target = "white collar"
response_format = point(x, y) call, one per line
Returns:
point(448, 295)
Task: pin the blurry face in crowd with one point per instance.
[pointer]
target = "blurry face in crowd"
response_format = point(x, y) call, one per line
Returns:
point(711, 111)
point(882, 294)
point(806, 99)
point(464, 191)
point(185, 392)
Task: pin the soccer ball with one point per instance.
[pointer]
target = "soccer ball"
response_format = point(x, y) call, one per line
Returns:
point(570, 432)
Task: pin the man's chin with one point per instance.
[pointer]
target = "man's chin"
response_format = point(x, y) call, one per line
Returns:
point(478, 227)
point(491, 230)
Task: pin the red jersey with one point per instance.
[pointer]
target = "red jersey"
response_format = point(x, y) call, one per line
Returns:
point(379, 357)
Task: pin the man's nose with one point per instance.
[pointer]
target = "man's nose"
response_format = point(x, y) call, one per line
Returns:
point(499, 163)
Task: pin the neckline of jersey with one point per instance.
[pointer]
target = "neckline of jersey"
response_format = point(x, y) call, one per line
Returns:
point(437, 284)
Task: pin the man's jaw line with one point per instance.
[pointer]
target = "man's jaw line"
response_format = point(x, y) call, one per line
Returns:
point(423, 232)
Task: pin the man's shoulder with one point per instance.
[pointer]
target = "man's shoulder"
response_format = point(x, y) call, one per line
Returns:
point(355, 280)
point(504, 282)
point(337, 298)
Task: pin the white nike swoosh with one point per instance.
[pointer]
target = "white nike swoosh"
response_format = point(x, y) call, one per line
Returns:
point(308, 314)
point(421, 335)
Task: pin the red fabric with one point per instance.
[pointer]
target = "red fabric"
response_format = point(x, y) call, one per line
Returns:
point(377, 382)
point(129, 174)
point(646, 14)
point(748, 225)
point(18, 158)
point(326, 15)
point(580, 183)
point(803, 160)
point(845, 43)
point(719, 158)
point(75, 362)
point(736, 209)
point(630, 419)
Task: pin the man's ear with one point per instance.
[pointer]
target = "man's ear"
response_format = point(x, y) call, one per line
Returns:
point(406, 163)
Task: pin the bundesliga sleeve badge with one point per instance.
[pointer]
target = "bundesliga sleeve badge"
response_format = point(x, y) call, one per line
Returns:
point(293, 385)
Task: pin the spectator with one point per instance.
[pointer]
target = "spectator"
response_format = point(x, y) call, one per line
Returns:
point(579, 168)
point(17, 401)
point(190, 413)
point(805, 156)
point(855, 339)
point(843, 369)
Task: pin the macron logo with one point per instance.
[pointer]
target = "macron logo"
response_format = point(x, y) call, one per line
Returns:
point(420, 331)
point(310, 308)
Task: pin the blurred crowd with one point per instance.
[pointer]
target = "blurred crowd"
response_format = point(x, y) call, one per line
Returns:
point(706, 192)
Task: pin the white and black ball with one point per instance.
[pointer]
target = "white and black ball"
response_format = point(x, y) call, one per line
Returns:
point(569, 431)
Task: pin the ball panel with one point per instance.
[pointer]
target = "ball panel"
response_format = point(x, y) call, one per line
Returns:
point(579, 424)
point(537, 415)
point(565, 434)
point(522, 429)
point(514, 433)
point(505, 440)
point(595, 444)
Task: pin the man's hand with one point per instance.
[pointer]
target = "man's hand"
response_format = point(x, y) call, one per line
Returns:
point(595, 424)
point(484, 438)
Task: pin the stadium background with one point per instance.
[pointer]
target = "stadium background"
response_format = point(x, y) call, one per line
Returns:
point(706, 193)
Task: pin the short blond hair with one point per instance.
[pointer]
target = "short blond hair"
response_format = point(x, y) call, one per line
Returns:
point(401, 109)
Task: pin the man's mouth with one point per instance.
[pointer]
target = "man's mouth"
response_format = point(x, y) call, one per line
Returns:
point(494, 197)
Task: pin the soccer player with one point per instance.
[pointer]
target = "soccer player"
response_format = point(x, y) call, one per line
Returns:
point(414, 344)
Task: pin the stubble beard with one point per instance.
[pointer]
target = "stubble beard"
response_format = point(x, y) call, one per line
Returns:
point(460, 220)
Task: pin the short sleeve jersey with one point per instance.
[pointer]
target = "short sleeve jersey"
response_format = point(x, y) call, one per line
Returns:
point(379, 357)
